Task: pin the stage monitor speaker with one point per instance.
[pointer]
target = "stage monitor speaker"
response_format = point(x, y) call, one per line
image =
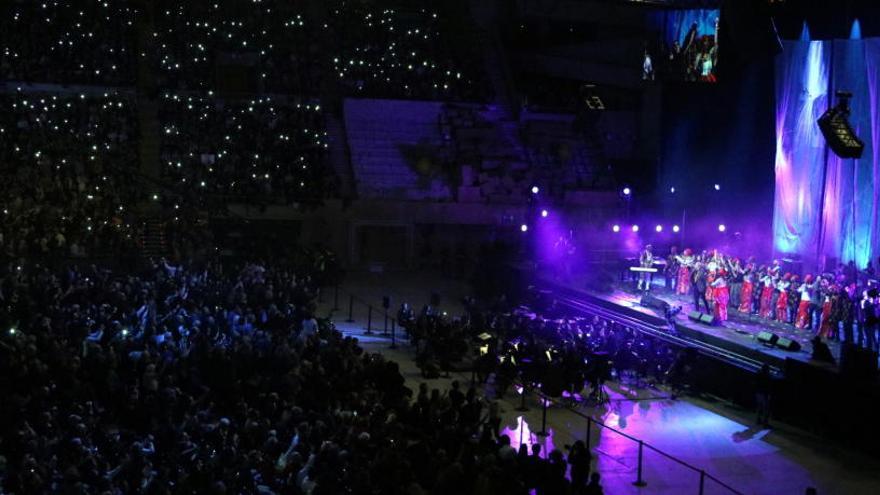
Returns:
point(768, 338)
point(695, 316)
point(650, 301)
point(788, 344)
point(708, 319)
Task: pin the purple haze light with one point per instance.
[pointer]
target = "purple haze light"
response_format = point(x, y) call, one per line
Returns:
point(721, 227)
point(616, 228)
point(675, 228)
point(659, 228)
point(635, 228)
point(524, 228)
point(544, 213)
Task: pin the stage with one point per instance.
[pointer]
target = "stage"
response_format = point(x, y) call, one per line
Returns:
point(735, 340)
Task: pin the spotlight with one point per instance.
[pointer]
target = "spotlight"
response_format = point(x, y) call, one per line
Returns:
point(535, 190)
point(722, 227)
point(616, 228)
point(717, 187)
point(672, 190)
point(675, 228)
point(12, 331)
point(524, 228)
point(635, 228)
point(124, 332)
point(627, 191)
point(544, 213)
point(659, 228)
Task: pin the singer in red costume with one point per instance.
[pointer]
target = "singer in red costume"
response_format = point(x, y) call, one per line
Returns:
point(745, 305)
point(766, 309)
point(803, 312)
point(721, 293)
point(782, 301)
point(685, 262)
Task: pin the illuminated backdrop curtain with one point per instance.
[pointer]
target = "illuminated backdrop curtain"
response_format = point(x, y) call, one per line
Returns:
point(825, 206)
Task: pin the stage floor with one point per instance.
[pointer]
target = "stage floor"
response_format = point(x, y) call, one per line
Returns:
point(738, 334)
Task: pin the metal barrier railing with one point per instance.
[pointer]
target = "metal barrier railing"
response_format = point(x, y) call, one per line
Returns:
point(640, 480)
point(382, 312)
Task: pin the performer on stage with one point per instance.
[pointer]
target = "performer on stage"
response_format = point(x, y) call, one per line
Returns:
point(711, 273)
point(671, 271)
point(767, 285)
point(685, 264)
point(698, 286)
point(748, 287)
point(721, 293)
point(803, 313)
point(646, 260)
point(735, 280)
point(782, 300)
point(794, 298)
point(826, 329)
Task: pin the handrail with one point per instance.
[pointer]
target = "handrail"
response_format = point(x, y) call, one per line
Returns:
point(591, 420)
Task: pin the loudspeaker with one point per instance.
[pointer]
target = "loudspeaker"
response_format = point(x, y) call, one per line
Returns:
point(652, 302)
point(839, 135)
point(768, 338)
point(698, 317)
point(788, 344)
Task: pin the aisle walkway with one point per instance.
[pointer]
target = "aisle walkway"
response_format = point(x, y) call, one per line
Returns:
point(716, 437)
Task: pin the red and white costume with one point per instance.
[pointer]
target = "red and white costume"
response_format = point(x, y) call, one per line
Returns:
point(685, 262)
point(745, 297)
point(766, 301)
point(721, 293)
point(803, 312)
point(782, 301)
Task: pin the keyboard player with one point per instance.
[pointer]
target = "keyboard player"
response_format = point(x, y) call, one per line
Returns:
point(646, 260)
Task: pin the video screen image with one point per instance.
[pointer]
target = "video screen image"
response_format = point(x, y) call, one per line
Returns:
point(682, 46)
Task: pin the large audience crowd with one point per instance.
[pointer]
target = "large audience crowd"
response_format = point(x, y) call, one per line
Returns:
point(68, 41)
point(69, 165)
point(257, 148)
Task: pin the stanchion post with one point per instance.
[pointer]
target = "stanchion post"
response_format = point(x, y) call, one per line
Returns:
point(640, 481)
point(350, 309)
point(336, 298)
point(385, 326)
point(544, 404)
point(702, 481)
point(589, 431)
point(393, 334)
point(369, 320)
point(522, 402)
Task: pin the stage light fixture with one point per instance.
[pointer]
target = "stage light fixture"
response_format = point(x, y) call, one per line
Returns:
point(535, 189)
point(839, 135)
point(627, 191)
point(672, 190)
point(635, 228)
point(722, 227)
point(616, 228)
point(524, 228)
point(717, 187)
point(544, 213)
point(659, 228)
point(675, 228)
